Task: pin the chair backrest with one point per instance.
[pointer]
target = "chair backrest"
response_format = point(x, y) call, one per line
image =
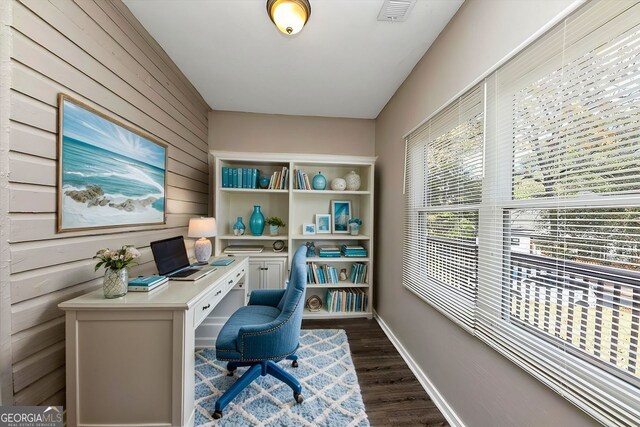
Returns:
point(297, 281)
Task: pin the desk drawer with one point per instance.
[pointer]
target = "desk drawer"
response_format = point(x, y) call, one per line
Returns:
point(207, 303)
point(231, 280)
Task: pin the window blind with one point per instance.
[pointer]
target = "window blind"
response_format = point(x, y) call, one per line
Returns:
point(443, 184)
point(559, 228)
point(522, 210)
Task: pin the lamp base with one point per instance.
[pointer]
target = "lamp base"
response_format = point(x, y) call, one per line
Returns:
point(202, 250)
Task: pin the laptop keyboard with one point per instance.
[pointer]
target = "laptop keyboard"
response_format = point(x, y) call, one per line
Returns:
point(185, 273)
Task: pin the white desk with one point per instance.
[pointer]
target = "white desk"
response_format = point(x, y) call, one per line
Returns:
point(130, 360)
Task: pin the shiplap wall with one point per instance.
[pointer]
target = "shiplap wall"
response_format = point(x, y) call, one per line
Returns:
point(97, 52)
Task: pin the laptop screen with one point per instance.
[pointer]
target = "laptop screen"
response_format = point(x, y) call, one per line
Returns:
point(169, 254)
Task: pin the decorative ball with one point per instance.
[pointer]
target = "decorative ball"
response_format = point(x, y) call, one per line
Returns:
point(338, 184)
point(353, 181)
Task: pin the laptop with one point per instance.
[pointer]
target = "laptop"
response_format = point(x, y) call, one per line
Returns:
point(170, 256)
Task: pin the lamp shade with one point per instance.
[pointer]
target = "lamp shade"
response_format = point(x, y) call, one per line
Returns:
point(202, 227)
point(289, 15)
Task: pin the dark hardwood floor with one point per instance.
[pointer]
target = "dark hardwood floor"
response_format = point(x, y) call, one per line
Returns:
point(392, 395)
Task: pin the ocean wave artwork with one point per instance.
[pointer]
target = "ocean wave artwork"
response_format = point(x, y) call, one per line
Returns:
point(110, 175)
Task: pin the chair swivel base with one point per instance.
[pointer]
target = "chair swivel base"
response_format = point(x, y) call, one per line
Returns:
point(263, 368)
point(232, 366)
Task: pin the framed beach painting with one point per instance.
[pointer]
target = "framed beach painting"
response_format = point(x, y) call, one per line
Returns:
point(323, 223)
point(341, 214)
point(109, 174)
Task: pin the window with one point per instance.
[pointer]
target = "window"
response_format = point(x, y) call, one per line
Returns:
point(553, 217)
point(443, 193)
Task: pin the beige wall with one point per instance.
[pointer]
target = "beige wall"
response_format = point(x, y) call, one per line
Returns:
point(97, 52)
point(232, 131)
point(481, 386)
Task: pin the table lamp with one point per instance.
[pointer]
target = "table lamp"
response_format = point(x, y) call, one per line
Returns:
point(202, 228)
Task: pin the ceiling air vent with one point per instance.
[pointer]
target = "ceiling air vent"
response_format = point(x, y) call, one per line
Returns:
point(396, 10)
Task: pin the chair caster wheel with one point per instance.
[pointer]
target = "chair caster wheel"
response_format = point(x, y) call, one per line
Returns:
point(294, 364)
point(298, 397)
point(217, 415)
point(230, 373)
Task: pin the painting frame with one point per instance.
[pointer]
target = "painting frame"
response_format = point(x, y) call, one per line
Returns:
point(341, 213)
point(160, 156)
point(323, 223)
point(308, 229)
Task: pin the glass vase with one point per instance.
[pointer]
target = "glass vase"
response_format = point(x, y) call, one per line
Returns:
point(256, 222)
point(239, 227)
point(115, 283)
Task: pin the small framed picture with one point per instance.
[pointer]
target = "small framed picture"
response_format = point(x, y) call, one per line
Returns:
point(323, 223)
point(341, 213)
point(308, 229)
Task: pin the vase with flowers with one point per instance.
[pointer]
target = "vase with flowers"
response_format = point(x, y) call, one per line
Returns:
point(116, 263)
point(354, 226)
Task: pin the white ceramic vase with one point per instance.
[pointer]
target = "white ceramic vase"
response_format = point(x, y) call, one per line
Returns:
point(338, 184)
point(353, 181)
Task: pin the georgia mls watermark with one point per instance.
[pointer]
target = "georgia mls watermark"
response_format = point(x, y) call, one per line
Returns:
point(31, 416)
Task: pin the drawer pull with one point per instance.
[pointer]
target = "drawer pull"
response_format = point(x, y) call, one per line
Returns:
point(218, 293)
point(231, 281)
point(238, 275)
point(206, 306)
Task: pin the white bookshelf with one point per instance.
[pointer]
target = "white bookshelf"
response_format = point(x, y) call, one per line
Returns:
point(297, 207)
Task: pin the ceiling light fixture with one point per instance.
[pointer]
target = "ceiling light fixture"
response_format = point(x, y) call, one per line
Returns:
point(289, 15)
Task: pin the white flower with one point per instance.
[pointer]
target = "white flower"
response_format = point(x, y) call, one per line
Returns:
point(132, 252)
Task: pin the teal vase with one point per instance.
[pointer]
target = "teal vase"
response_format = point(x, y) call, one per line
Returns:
point(256, 222)
point(319, 182)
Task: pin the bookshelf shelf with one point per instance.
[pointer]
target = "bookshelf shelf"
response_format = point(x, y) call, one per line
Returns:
point(252, 190)
point(296, 207)
point(324, 314)
point(250, 237)
point(331, 192)
point(337, 285)
point(329, 237)
point(329, 260)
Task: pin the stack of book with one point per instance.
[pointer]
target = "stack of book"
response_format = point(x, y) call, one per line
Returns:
point(354, 251)
point(146, 284)
point(279, 179)
point(301, 181)
point(359, 272)
point(346, 300)
point(329, 252)
point(321, 274)
point(240, 178)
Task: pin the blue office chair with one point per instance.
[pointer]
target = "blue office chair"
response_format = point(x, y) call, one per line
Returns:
point(263, 333)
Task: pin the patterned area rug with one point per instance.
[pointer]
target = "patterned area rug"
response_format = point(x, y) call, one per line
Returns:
point(329, 387)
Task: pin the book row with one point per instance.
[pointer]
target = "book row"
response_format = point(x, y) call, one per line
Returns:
point(346, 300)
point(240, 178)
point(321, 274)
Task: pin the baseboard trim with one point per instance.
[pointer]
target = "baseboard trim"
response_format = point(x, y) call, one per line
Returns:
point(424, 380)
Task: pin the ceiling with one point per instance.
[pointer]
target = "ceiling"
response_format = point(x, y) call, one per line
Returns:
point(344, 63)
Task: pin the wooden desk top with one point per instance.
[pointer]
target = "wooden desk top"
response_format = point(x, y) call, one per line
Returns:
point(173, 295)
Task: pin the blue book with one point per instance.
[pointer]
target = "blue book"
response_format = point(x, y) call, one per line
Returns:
point(222, 262)
point(245, 178)
point(240, 178)
point(234, 182)
point(146, 281)
point(255, 179)
point(225, 177)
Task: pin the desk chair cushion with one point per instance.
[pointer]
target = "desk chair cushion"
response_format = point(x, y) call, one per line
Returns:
point(226, 343)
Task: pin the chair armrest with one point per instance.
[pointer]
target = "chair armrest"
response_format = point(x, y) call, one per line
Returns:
point(270, 297)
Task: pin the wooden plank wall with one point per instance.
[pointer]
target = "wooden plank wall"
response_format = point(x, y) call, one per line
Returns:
point(97, 52)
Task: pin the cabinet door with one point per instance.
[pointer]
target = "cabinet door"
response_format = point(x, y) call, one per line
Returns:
point(274, 274)
point(255, 275)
